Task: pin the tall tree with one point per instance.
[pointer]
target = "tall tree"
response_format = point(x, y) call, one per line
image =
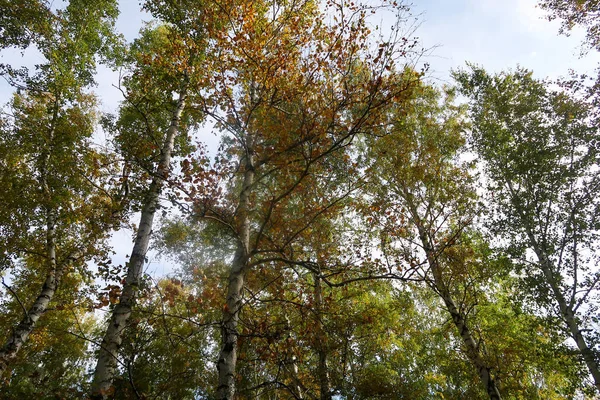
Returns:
point(294, 91)
point(541, 160)
point(428, 199)
point(174, 57)
point(47, 155)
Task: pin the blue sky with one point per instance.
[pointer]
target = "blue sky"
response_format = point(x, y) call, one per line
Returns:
point(505, 33)
point(498, 34)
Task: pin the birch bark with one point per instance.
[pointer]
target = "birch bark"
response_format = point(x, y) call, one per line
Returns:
point(566, 310)
point(19, 336)
point(106, 368)
point(226, 364)
point(472, 348)
point(322, 370)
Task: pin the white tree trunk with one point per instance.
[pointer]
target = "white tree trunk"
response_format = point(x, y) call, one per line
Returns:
point(322, 369)
point(106, 368)
point(20, 334)
point(296, 386)
point(567, 312)
point(566, 309)
point(226, 364)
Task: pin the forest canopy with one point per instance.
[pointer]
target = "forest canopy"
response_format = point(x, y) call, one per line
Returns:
point(360, 232)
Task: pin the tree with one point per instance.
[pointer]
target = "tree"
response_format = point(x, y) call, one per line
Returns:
point(166, 60)
point(423, 206)
point(108, 353)
point(55, 180)
point(54, 361)
point(168, 352)
point(336, 245)
point(292, 94)
point(540, 157)
point(428, 199)
point(21, 23)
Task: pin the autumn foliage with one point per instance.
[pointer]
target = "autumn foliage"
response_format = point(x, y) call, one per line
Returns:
point(358, 233)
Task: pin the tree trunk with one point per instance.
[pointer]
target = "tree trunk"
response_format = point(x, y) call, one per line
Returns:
point(471, 345)
point(20, 334)
point(322, 370)
point(226, 364)
point(567, 312)
point(106, 368)
point(296, 386)
point(566, 309)
point(459, 319)
point(290, 364)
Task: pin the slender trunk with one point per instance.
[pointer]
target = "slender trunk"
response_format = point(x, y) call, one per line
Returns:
point(322, 370)
point(226, 364)
point(296, 386)
point(459, 319)
point(106, 368)
point(567, 313)
point(472, 348)
point(291, 368)
point(566, 309)
point(20, 334)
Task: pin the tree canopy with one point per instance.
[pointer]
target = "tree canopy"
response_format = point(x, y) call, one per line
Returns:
point(360, 232)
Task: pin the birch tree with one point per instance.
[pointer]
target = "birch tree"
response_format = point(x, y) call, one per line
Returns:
point(47, 155)
point(150, 152)
point(171, 58)
point(301, 91)
point(540, 155)
point(429, 195)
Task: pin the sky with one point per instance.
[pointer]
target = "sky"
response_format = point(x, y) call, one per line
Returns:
point(496, 34)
